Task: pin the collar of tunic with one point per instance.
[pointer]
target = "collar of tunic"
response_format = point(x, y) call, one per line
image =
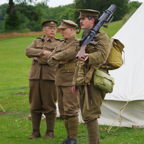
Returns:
point(70, 39)
point(44, 39)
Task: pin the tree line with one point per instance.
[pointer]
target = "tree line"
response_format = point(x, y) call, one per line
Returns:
point(24, 16)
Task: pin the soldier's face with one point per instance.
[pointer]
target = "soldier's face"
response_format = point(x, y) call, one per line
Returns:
point(86, 23)
point(66, 33)
point(50, 31)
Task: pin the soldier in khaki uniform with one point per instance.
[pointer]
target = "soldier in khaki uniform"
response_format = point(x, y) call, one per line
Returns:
point(95, 57)
point(42, 94)
point(63, 58)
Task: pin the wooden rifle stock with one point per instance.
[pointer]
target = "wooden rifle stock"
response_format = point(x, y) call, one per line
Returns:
point(81, 52)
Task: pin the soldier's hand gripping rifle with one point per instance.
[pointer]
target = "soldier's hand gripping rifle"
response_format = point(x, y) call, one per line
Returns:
point(106, 17)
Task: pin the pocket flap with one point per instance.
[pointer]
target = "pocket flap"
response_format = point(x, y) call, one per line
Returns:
point(103, 74)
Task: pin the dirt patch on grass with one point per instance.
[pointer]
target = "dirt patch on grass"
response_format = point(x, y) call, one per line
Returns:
point(15, 34)
point(20, 94)
point(1, 113)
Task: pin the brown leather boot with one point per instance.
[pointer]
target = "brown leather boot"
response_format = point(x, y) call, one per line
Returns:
point(49, 134)
point(35, 134)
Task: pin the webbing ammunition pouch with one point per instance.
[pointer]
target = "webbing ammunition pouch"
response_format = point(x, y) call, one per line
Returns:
point(103, 81)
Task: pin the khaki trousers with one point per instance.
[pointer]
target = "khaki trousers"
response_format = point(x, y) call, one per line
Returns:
point(67, 102)
point(42, 97)
point(94, 110)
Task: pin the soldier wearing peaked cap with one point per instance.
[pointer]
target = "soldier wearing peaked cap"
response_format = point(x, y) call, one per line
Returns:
point(88, 13)
point(42, 93)
point(63, 58)
point(96, 55)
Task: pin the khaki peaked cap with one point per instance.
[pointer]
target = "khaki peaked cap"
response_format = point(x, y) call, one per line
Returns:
point(87, 12)
point(50, 23)
point(67, 24)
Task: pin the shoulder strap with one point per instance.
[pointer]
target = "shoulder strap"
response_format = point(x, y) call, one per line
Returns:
point(85, 32)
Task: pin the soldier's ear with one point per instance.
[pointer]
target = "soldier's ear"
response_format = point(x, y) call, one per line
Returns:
point(43, 29)
point(92, 20)
point(71, 29)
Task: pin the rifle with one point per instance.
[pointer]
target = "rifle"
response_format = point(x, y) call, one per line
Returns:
point(106, 17)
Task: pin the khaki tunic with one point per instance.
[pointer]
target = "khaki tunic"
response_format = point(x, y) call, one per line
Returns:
point(65, 51)
point(42, 94)
point(35, 50)
point(97, 56)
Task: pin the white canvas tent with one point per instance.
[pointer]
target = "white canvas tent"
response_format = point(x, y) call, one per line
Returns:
point(129, 79)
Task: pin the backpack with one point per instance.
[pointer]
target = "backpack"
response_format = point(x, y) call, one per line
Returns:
point(114, 60)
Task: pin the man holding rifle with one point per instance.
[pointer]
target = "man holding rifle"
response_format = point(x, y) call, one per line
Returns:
point(95, 56)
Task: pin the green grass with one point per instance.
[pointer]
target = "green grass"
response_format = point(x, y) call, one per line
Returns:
point(113, 28)
point(14, 70)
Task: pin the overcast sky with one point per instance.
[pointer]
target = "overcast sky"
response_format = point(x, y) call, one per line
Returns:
point(55, 3)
